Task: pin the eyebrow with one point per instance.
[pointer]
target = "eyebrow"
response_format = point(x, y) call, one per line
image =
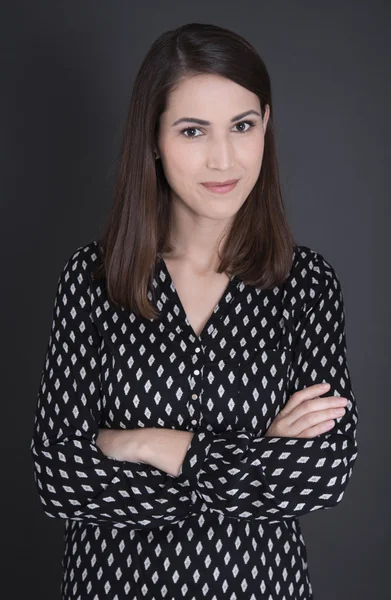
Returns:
point(202, 122)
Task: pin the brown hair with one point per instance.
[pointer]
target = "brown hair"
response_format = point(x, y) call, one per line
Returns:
point(259, 244)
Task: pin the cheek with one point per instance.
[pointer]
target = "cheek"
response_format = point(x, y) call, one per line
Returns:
point(252, 153)
point(182, 170)
point(253, 163)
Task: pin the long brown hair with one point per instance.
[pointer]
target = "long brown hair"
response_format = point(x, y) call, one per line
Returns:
point(259, 244)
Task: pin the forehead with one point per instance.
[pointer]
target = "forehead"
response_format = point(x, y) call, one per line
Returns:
point(209, 96)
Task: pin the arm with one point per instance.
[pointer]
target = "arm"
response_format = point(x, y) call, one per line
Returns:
point(74, 478)
point(168, 446)
point(250, 477)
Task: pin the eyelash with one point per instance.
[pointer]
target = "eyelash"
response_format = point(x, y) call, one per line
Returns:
point(251, 123)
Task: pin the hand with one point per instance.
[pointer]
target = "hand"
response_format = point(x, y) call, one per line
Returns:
point(122, 444)
point(305, 415)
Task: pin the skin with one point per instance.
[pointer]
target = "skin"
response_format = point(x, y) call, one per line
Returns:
point(191, 154)
point(220, 151)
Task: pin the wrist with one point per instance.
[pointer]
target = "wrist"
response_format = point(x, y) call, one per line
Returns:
point(164, 448)
point(122, 444)
point(142, 444)
point(132, 444)
point(138, 444)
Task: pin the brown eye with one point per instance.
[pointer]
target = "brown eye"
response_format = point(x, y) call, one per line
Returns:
point(250, 123)
point(190, 129)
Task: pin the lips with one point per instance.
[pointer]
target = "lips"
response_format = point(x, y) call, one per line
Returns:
point(224, 188)
point(219, 183)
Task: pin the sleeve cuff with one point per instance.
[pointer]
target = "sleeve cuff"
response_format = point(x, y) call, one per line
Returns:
point(195, 457)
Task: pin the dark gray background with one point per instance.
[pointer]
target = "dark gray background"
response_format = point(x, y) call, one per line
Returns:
point(67, 70)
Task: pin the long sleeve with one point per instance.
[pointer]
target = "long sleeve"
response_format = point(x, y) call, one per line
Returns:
point(249, 477)
point(74, 478)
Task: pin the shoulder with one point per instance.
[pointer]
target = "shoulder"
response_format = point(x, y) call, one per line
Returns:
point(313, 262)
point(313, 273)
point(81, 262)
point(86, 255)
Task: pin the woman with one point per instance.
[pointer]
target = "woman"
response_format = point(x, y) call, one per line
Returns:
point(195, 399)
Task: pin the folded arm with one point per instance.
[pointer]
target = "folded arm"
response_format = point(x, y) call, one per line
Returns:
point(74, 478)
point(249, 477)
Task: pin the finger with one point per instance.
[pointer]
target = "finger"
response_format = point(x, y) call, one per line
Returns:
point(317, 429)
point(300, 396)
point(313, 419)
point(329, 406)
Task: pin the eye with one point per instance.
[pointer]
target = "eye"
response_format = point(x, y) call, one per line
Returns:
point(250, 123)
point(190, 129)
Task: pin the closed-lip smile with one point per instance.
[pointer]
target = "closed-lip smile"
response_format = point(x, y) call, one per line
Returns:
point(219, 183)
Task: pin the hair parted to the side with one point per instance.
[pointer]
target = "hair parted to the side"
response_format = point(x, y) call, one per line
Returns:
point(259, 244)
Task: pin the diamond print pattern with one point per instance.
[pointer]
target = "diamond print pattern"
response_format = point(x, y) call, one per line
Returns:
point(228, 525)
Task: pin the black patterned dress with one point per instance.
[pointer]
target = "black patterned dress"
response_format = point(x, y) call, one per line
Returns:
point(228, 525)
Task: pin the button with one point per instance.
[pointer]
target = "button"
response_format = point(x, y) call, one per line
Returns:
point(198, 349)
point(194, 396)
point(194, 422)
point(196, 372)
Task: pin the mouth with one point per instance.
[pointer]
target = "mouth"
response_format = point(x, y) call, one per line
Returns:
point(221, 187)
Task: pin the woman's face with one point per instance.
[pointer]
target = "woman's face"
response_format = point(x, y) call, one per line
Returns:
point(220, 150)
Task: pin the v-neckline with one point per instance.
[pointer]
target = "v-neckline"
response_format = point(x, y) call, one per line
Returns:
point(219, 310)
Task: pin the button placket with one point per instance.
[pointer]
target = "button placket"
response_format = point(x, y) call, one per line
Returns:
point(195, 396)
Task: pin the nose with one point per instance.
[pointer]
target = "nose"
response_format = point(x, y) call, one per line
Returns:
point(220, 155)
